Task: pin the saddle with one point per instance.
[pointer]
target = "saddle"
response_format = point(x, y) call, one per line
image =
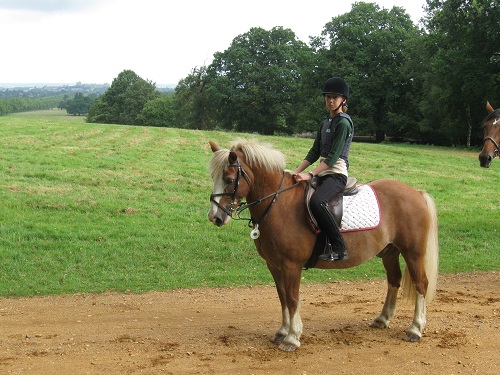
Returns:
point(335, 204)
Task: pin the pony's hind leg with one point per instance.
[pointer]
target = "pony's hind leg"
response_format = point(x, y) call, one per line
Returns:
point(393, 270)
point(415, 289)
point(414, 332)
point(421, 274)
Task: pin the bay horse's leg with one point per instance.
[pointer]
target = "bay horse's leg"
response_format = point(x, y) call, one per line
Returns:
point(291, 273)
point(285, 316)
point(393, 271)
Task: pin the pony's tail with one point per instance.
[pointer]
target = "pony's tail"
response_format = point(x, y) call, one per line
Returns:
point(431, 259)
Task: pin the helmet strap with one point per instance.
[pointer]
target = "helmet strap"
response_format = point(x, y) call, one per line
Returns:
point(343, 104)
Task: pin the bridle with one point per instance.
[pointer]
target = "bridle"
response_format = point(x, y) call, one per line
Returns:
point(238, 206)
point(497, 147)
point(234, 194)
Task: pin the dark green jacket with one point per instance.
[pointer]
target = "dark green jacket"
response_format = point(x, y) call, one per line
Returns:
point(333, 140)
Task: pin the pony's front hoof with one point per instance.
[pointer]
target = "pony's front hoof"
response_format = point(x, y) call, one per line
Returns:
point(278, 338)
point(411, 337)
point(379, 325)
point(288, 347)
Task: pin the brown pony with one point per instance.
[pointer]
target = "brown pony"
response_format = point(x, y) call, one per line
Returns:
point(491, 142)
point(284, 239)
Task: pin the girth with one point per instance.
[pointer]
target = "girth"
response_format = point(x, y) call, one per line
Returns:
point(335, 204)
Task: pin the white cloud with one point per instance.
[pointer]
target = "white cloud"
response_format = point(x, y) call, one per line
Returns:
point(65, 41)
point(47, 5)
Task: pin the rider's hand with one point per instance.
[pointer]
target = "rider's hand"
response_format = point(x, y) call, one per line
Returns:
point(302, 176)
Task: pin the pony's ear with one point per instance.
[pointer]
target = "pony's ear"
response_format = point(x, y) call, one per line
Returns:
point(233, 158)
point(489, 108)
point(214, 146)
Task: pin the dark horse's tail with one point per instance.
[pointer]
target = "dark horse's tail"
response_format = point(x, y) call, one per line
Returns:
point(431, 259)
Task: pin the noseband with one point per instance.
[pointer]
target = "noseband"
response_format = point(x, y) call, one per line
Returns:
point(497, 147)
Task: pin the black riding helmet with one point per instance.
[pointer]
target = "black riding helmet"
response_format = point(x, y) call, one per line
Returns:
point(336, 85)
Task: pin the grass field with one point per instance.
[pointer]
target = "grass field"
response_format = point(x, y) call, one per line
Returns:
point(49, 114)
point(92, 207)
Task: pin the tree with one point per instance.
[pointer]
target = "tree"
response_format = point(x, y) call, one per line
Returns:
point(158, 112)
point(123, 102)
point(254, 85)
point(367, 47)
point(464, 65)
point(63, 104)
point(192, 102)
point(79, 105)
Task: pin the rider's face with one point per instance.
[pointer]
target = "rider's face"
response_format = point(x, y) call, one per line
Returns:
point(333, 101)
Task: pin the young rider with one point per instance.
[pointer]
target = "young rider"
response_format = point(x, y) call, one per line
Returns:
point(331, 146)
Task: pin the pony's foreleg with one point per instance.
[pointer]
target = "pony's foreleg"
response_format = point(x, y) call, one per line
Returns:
point(291, 280)
point(285, 316)
point(414, 332)
point(284, 328)
point(292, 341)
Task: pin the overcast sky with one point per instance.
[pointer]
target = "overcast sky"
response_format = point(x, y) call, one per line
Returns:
point(92, 41)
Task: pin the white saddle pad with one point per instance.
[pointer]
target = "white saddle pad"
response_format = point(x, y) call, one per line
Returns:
point(361, 211)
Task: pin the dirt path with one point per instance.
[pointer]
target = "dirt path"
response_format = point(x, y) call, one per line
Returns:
point(228, 331)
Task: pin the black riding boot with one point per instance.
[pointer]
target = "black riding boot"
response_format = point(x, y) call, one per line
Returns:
point(327, 224)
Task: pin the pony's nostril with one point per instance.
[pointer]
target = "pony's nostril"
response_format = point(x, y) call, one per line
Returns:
point(218, 222)
point(485, 158)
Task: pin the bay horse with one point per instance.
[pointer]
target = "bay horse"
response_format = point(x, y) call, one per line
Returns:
point(283, 237)
point(491, 141)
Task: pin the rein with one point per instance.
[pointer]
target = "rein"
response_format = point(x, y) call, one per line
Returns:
point(242, 206)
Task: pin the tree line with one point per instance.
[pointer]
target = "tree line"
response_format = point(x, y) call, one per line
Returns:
point(427, 82)
point(23, 99)
point(15, 105)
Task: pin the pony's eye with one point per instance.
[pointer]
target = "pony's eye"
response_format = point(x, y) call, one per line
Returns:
point(229, 181)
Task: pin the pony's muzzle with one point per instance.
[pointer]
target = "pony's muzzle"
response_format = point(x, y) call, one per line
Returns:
point(217, 221)
point(218, 218)
point(485, 160)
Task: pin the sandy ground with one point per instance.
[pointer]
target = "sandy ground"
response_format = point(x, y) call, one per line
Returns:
point(228, 331)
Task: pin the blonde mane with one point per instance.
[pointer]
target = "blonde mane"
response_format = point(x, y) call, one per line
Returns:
point(256, 154)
